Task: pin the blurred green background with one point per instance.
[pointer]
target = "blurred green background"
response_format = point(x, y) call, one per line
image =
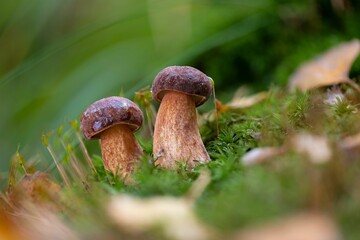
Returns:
point(58, 56)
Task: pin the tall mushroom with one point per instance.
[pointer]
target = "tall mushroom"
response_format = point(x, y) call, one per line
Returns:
point(113, 120)
point(179, 89)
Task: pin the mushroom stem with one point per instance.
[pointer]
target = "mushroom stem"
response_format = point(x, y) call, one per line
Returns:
point(176, 134)
point(120, 150)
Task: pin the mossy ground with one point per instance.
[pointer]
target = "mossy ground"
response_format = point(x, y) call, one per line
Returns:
point(237, 195)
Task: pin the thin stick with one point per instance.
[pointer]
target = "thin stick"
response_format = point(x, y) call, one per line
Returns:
point(6, 200)
point(59, 167)
point(85, 152)
point(12, 173)
point(216, 110)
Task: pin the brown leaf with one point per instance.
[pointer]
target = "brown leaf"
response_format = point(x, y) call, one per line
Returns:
point(332, 67)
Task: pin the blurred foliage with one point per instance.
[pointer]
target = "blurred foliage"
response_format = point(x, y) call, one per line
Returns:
point(59, 56)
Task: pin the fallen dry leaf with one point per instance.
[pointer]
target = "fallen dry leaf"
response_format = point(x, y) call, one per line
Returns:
point(174, 215)
point(244, 102)
point(303, 226)
point(350, 146)
point(332, 67)
point(239, 101)
point(260, 155)
point(351, 141)
point(316, 148)
point(37, 188)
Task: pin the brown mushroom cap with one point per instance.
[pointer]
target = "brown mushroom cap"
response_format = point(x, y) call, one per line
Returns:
point(108, 112)
point(184, 79)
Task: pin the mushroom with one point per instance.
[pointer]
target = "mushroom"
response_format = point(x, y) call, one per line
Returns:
point(113, 120)
point(179, 89)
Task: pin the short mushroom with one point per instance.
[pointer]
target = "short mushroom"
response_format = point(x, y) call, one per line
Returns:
point(179, 89)
point(113, 120)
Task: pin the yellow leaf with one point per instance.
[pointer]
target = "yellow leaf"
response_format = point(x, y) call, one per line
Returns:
point(332, 67)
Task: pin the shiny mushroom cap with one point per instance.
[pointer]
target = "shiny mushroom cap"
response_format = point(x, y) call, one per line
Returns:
point(184, 79)
point(109, 112)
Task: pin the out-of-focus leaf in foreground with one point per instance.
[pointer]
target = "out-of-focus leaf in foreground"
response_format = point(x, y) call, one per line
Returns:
point(260, 155)
point(304, 226)
point(173, 214)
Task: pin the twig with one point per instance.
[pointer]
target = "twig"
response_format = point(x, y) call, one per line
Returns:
point(59, 167)
point(216, 110)
point(85, 152)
